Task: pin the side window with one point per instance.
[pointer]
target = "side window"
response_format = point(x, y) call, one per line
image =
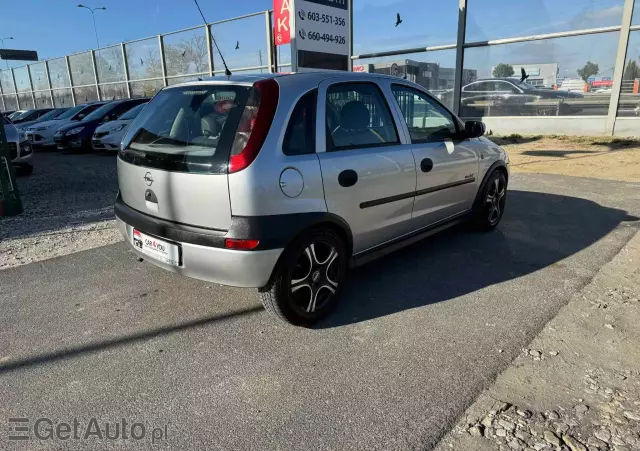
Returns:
point(426, 119)
point(503, 86)
point(358, 116)
point(300, 137)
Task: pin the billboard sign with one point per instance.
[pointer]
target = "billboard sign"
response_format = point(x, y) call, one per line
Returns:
point(282, 21)
point(320, 34)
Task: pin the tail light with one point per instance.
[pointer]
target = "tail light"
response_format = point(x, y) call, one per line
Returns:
point(254, 124)
point(231, 243)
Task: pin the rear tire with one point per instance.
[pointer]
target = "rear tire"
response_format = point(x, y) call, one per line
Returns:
point(490, 204)
point(308, 279)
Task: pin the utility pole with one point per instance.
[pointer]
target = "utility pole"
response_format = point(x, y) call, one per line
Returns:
point(93, 10)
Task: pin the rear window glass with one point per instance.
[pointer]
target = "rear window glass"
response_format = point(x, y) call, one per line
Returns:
point(188, 129)
point(300, 137)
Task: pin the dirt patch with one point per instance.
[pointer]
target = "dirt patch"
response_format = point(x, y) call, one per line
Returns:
point(598, 157)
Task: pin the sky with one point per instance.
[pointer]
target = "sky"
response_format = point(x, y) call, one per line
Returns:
point(59, 27)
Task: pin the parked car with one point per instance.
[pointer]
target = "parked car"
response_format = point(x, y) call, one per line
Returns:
point(30, 115)
point(108, 136)
point(281, 182)
point(41, 134)
point(78, 135)
point(20, 150)
point(53, 114)
point(511, 97)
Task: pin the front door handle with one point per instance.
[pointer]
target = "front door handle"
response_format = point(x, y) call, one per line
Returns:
point(426, 165)
point(348, 178)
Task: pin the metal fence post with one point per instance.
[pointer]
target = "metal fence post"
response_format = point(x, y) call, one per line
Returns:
point(48, 77)
point(269, 35)
point(33, 96)
point(350, 60)
point(163, 63)
point(618, 72)
point(95, 73)
point(15, 88)
point(209, 49)
point(73, 94)
point(462, 24)
point(2, 94)
point(126, 69)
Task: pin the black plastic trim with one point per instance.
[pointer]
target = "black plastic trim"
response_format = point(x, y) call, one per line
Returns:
point(406, 240)
point(397, 197)
point(272, 232)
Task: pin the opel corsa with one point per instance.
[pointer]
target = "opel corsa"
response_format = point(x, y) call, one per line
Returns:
point(282, 182)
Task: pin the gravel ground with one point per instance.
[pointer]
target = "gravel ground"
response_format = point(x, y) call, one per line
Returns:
point(68, 207)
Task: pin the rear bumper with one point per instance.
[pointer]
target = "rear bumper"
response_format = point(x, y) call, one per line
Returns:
point(249, 269)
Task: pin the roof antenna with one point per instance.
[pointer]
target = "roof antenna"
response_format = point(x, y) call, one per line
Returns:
point(227, 72)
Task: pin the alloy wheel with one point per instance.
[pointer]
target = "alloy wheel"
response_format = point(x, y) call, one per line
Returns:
point(495, 200)
point(314, 279)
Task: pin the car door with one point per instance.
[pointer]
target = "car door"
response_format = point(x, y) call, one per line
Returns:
point(368, 171)
point(446, 165)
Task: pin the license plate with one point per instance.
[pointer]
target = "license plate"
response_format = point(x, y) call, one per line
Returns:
point(161, 250)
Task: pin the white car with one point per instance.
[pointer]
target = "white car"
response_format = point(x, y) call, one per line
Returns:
point(20, 150)
point(41, 134)
point(109, 135)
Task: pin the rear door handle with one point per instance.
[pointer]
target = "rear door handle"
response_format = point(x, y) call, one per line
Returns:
point(348, 178)
point(426, 165)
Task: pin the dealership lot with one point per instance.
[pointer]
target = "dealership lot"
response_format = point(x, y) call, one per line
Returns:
point(418, 335)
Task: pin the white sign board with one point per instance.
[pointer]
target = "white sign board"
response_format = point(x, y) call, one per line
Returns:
point(320, 35)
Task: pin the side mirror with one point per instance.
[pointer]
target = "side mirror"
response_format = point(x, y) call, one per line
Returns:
point(474, 129)
point(81, 116)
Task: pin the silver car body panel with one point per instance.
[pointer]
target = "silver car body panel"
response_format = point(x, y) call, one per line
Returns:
point(24, 153)
point(195, 199)
point(223, 266)
point(46, 134)
point(210, 200)
point(113, 138)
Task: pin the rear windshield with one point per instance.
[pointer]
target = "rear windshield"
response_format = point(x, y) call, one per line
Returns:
point(186, 129)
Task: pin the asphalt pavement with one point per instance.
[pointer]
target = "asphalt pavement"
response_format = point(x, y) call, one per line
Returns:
point(419, 334)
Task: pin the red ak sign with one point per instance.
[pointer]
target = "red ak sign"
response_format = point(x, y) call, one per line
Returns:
point(282, 20)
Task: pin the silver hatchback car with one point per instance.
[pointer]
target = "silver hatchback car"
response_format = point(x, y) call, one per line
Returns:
point(282, 182)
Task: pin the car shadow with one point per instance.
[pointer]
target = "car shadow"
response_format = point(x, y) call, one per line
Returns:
point(537, 230)
point(559, 153)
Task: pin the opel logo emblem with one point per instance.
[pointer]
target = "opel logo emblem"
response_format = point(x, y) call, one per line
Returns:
point(148, 179)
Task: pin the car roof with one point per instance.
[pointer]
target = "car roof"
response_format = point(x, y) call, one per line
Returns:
point(307, 76)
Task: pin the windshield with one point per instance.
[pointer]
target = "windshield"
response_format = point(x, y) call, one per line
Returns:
point(100, 112)
point(189, 128)
point(71, 112)
point(50, 115)
point(14, 115)
point(133, 112)
point(22, 115)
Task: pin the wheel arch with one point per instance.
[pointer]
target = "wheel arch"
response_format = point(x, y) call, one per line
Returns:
point(496, 166)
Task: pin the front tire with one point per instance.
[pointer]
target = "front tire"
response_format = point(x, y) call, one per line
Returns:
point(308, 280)
point(490, 204)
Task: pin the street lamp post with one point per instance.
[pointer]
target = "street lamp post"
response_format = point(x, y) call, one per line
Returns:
point(2, 40)
point(80, 5)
